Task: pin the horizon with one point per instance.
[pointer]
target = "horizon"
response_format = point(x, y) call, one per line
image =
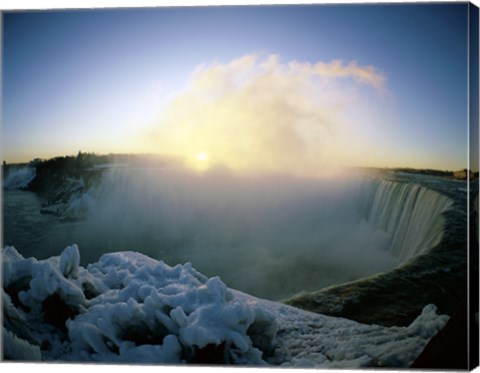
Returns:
point(162, 157)
point(343, 86)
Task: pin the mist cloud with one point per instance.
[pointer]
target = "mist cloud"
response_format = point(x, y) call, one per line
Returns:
point(263, 114)
point(271, 236)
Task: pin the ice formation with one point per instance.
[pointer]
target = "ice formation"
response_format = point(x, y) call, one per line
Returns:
point(130, 308)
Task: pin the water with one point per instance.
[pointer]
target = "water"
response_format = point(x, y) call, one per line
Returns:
point(411, 214)
point(437, 275)
point(23, 224)
point(33, 233)
point(270, 237)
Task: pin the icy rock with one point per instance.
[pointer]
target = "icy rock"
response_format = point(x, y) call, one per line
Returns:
point(19, 349)
point(42, 284)
point(428, 323)
point(48, 280)
point(143, 310)
point(14, 320)
point(14, 266)
point(69, 261)
point(263, 330)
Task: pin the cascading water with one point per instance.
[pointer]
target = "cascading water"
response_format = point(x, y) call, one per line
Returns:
point(257, 233)
point(17, 178)
point(425, 219)
point(269, 236)
point(410, 214)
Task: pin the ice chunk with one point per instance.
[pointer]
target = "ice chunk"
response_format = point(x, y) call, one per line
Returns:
point(428, 323)
point(263, 330)
point(147, 305)
point(69, 261)
point(19, 349)
point(14, 266)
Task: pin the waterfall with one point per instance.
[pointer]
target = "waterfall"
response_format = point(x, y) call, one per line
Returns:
point(17, 178)
point(411, 214)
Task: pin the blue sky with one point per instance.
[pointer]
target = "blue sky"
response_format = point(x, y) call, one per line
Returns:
point(101, 80)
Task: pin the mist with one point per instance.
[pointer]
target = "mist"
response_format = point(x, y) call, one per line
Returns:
point(270, 115)
point(258, 200)
point(272, 235)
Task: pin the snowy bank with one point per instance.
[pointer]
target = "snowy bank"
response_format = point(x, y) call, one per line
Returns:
point(130, 308)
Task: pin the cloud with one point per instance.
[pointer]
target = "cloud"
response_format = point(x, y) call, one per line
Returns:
point(255, 114)
point(336, 69)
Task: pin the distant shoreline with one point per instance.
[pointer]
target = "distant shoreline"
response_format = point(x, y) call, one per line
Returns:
point(99, 161)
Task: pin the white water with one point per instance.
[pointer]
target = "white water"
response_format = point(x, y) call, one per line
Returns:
point(17, 178)
point(410, 214)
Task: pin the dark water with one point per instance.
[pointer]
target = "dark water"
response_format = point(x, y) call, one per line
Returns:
point(29, 231)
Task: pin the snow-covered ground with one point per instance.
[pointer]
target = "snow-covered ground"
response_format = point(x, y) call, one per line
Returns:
point(129, 308)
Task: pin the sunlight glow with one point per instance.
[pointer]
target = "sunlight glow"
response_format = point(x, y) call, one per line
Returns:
point(238, 112)
point(200, 161)
point(202, 157)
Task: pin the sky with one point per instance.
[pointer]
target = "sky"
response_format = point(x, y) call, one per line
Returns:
point(300, 88)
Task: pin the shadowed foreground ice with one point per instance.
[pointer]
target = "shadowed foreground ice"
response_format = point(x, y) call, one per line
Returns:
point(130, 308)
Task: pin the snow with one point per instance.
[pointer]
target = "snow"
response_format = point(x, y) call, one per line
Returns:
point(70, 261)
point(312, 340)
point(14, 346)
point(13, 324)
point(129, 308)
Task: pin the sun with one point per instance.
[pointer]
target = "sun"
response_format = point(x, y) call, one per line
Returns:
point(200, 161)
point(202, 157)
